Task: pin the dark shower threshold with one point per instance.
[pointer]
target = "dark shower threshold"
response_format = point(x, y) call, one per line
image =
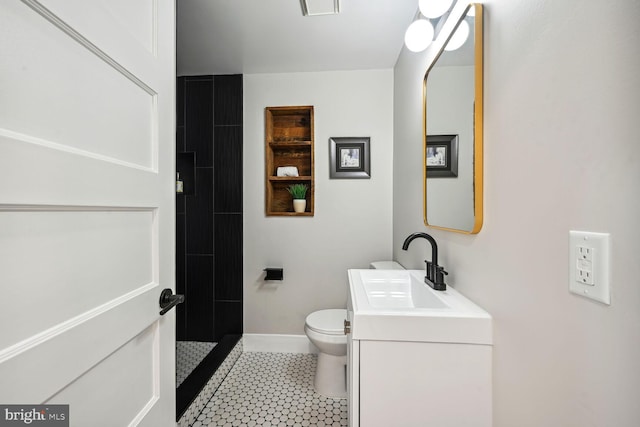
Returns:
point(194, 383)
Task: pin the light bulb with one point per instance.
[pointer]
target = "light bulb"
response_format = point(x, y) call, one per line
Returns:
point(459, 37)
point(434, 8)
point(419, 35)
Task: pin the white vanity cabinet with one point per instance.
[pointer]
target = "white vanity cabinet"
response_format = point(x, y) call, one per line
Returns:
point(353, 373)
point(403, 382)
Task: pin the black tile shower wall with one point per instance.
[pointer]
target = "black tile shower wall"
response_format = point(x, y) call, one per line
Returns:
point(228, 257)
point(209, 237)
point(227, 165)
point(228, 318)
point(180, 102)
point(228, 100)
point(199, 211)
point(199, 302)
point(180, 204)
point(180, 140)
point(228, 152)
point(199, 119)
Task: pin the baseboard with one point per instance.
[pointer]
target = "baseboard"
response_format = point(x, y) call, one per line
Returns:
point(276, 343)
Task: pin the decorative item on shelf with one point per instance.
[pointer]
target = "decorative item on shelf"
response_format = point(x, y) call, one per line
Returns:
point(287, 171)
point(299, 193)
point(179, 184)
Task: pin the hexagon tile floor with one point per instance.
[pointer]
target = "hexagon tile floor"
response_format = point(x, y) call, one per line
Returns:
point(269, 390)
point(188, 355)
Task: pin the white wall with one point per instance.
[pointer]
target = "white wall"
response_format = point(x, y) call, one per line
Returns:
point(562, 152)
point(352, 222)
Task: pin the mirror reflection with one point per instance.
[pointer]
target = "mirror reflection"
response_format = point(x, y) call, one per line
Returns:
point(453, 124)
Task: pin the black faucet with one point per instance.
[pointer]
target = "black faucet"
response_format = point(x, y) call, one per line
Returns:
point(435, 273)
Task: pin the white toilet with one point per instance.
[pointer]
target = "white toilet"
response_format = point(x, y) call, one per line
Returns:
point(325, 329)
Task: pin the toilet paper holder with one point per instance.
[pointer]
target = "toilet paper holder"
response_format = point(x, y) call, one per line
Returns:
point(273, 273)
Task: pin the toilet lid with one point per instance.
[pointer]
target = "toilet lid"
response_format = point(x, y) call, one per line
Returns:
point(327, 321)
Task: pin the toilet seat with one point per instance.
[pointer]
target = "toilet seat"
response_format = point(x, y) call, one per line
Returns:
point(329, 322)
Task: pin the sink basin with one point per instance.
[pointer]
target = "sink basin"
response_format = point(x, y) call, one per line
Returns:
point(397, 305)
point(396, 290)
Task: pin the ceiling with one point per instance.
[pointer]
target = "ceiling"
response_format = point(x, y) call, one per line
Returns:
point(272, 36)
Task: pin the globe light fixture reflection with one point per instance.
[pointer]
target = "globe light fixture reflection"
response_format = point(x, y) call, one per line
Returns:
point(419, 35)
point(459, 37)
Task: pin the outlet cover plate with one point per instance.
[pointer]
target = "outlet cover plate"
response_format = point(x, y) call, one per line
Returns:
point(589, 262)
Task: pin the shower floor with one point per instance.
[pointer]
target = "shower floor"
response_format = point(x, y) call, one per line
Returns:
point(189, 354)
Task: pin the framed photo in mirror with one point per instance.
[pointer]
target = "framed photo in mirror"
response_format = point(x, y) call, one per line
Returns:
point(349, 157)
point(442, 156)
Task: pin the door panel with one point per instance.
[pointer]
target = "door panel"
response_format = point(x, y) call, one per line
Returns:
point(56, 356)
point(87, 128)
point(128, 365)
point(113, 249)
point(55, 177)
point(75, 105)
point(110, 23)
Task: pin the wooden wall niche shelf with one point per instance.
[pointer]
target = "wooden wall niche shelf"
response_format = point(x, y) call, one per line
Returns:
point(289, 142)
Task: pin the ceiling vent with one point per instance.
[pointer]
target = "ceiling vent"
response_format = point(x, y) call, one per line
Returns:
point(320, 7)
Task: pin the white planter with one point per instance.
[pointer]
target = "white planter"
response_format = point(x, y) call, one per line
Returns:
point(299, 205)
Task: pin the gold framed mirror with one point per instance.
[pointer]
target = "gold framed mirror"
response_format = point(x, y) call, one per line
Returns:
point(452, 130)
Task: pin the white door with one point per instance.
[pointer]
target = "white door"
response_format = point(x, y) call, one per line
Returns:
point(86, 208)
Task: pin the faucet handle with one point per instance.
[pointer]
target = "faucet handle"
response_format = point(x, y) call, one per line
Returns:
point(440, 273)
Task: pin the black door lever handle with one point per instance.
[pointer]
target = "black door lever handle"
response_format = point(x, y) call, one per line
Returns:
point(168, 300)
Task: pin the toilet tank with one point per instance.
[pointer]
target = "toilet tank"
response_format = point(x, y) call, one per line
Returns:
point(385, 265)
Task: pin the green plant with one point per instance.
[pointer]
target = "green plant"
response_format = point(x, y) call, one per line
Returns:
point(298, 191)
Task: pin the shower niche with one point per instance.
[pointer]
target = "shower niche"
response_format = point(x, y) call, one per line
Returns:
point(208, 228)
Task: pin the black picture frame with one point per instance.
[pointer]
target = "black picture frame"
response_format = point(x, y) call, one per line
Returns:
point(349, 158)
point(441, 156)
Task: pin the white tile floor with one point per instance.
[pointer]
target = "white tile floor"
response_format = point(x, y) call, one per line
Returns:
point(272, 389)
point(189, 354)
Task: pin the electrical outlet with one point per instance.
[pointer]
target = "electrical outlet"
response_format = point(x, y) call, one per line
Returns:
point(585, 252)
point(584, 265)
point(589, 265)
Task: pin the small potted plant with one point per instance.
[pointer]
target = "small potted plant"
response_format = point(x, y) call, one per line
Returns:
point(298, 192)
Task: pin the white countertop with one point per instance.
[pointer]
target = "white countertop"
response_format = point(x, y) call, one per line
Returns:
point(396, 305)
